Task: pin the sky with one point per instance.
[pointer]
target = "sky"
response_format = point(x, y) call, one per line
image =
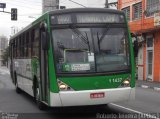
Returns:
point(29, 10)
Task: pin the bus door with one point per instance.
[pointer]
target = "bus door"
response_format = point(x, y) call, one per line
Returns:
point(44, 71)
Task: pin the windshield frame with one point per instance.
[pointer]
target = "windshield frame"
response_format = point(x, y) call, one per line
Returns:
point(111, 25)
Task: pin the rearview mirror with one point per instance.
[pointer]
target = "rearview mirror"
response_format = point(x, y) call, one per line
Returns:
point(135, 47)
point(44, 40)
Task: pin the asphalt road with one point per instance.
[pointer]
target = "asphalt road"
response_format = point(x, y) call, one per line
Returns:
point(22, 106)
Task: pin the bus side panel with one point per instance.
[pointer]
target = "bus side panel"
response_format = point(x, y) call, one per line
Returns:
point(24, 74)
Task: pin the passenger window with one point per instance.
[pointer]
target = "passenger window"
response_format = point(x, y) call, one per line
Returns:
point(35, 43)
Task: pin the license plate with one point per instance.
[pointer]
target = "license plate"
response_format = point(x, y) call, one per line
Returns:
point(97, 95)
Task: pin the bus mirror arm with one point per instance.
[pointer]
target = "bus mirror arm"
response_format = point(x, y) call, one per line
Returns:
point(43, 27)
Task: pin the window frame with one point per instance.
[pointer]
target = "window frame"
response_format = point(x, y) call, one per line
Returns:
point(139, 11)
point(151, 5)
point(125, 10)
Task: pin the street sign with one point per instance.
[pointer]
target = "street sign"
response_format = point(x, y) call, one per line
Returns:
point(2, 5)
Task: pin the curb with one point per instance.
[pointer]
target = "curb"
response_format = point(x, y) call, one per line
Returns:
point(144, 86)
point(154, 88)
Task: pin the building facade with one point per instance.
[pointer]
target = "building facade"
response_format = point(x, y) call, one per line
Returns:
point(49, 5)
point(144, 20)
point(3, 46)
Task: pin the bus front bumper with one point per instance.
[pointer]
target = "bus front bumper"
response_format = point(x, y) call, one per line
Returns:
point(81, 98)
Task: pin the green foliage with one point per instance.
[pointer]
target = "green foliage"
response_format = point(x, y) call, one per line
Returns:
point(5, 55)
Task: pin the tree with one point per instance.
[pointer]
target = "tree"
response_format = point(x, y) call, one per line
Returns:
point(5, 56)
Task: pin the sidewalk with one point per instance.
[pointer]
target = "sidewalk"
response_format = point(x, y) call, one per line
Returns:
point(148, 84)
point(4, 70)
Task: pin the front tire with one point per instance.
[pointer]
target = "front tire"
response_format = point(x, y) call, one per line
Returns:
point(18, 90)
point(40, 105)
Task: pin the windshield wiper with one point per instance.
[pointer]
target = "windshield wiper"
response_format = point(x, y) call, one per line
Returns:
point(104, 33)
point(98, 41)
point(80, 35)
point(102, 37)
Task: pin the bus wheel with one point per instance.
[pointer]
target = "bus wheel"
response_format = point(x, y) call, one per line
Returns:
point(40, 105)
point(18, 90)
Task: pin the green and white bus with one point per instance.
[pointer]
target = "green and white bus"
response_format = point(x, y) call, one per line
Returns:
point(75, 57)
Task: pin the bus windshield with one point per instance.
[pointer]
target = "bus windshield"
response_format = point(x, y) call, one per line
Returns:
point(86, 50)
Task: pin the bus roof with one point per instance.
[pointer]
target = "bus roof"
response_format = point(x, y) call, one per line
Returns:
point(65, 11)
point(76, 10)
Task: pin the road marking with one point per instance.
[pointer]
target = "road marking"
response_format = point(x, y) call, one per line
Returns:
point(147, 115)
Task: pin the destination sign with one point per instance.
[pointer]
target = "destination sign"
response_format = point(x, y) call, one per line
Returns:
point(88, 18)
point(99, 18)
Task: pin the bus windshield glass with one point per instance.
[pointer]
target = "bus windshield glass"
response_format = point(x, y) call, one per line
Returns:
point(86, 50)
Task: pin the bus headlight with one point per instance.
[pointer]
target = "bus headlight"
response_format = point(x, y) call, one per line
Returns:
point(126, 83)
point(63, 86)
